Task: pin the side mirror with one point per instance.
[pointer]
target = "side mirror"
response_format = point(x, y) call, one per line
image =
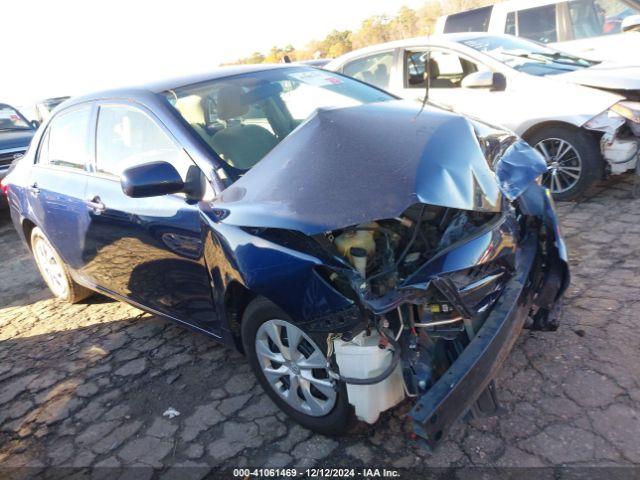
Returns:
point(631, 23)
point(494, 80)
point(35, 124)
point(151, 180)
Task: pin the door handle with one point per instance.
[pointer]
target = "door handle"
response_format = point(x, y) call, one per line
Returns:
point(96, 204)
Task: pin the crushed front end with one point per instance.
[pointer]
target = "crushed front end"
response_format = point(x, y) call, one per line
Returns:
point(417, 260)
point(619, 126)
point(451, 289)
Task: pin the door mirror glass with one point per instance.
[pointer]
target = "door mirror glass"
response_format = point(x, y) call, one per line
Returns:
point(151, 180)
point(35, 124)
point(631, 24)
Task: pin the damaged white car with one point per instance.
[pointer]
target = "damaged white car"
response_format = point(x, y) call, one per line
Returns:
point(583, 116)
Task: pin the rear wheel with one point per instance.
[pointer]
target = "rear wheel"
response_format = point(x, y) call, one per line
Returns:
point(54, 271)
point(291, 366)
point(573, 157)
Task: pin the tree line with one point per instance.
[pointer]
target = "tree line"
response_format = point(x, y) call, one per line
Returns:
point(406, 23)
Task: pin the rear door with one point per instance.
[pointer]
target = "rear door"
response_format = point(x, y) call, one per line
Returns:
point(376, 69)
point(149, 250)
point(58, 182)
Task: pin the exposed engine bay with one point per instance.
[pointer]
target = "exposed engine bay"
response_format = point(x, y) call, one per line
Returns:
point(407, 345)
point(386, 252)
point(402, 351)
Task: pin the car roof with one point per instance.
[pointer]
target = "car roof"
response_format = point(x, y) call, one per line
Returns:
point(441, 38)
point(175, 83)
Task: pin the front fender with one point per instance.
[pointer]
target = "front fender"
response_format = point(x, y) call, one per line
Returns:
point(287, 277)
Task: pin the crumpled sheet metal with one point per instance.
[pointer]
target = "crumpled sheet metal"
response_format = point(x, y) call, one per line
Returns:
point(346, 166)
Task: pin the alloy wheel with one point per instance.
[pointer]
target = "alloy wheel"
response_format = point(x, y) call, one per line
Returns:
point(564, 165)
point(295, 367)
point(50, 267)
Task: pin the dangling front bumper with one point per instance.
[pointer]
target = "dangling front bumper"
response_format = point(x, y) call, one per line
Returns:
point(540, 277)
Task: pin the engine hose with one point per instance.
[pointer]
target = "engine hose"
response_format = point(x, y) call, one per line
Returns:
point(378, 378)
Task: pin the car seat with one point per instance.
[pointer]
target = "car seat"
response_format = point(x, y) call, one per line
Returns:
point(238, 144)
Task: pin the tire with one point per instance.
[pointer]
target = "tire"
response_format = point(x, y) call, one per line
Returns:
point(263, 313)
point(582, 158)
point(54, 271)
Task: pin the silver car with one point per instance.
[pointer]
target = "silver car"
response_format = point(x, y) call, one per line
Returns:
point(584, 117)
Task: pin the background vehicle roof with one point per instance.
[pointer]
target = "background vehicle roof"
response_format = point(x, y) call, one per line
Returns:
point(410, 42)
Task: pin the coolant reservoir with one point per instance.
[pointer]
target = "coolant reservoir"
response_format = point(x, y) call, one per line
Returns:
point(362, 358)
point(355, 239)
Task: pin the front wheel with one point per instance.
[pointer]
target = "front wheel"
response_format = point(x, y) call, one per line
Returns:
point(54, 271)
point(573, 157)
point(291, 366)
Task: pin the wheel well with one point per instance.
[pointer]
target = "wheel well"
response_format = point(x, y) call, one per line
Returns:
point(553, 123)
point(27, 227)
point(236, 299)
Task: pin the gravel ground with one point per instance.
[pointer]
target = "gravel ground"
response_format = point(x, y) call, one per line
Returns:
point(86, 385)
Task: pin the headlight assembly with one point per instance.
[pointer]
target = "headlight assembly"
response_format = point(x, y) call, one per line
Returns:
point(607, 121)
point(628, 110)
point(615, 116)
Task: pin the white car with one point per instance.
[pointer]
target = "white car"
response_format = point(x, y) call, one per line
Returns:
point(583, 131)
point(594, 29)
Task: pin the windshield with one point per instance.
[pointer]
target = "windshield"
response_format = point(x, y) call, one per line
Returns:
point(245, 116)
point(526, 56)
point(10, 119)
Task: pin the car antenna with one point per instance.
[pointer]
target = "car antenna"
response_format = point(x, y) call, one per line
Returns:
point(427, 80)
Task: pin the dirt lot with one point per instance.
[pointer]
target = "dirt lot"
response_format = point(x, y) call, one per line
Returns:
point(87, 384)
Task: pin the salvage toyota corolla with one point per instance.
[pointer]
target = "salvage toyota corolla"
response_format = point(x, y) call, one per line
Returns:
point(358, 250)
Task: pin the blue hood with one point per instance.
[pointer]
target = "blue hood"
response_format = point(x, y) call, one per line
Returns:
point(354, 165)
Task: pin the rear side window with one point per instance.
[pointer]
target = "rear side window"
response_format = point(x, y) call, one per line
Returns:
point(374, 69)
point(538, 24)
point(66, 141)
point(127, 137)
point(472, 21)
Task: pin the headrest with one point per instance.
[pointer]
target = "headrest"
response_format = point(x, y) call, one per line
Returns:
point(191, 109)
point(233, 101)
point(230, 102)
point(434, 70)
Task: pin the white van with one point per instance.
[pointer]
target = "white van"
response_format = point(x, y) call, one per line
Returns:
point(593, 29)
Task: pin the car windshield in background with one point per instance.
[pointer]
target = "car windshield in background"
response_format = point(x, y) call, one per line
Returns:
point(526, 56)
point(10, 119)
point(243, 117)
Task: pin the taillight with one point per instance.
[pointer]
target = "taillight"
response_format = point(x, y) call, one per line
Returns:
point(4, 186)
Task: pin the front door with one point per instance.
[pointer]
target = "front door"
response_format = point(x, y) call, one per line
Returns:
point(447, 69)
point(149, 250)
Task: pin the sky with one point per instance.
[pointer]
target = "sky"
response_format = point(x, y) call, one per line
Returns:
point(70, 47)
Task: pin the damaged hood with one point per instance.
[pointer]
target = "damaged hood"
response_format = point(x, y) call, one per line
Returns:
point(347, 166)
point(608, 76)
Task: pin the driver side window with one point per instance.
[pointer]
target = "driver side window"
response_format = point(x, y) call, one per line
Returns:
point(127, 137)
point(446, 70)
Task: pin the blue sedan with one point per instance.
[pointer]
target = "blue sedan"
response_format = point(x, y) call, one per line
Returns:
point(358, 249)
